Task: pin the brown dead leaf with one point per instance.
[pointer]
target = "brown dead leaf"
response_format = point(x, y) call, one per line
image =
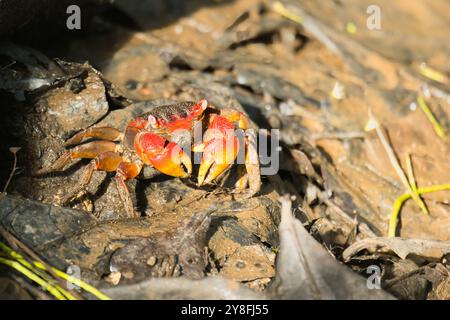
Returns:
point(427, 249)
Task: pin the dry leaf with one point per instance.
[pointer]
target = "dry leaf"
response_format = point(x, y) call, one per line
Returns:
point(427, 249)
point(305, 270)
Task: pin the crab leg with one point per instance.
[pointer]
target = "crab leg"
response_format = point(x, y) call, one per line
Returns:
point(221, 133)
point(127, 171)
point(107, 161)
point(253, 176)
point(103, 133)
point(220, 147)
point(86, 151)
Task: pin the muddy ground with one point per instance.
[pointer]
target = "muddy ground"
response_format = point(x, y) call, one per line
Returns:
point(311, 69)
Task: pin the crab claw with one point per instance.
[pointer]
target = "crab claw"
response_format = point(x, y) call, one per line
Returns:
point(220, 148)
point(166, 156)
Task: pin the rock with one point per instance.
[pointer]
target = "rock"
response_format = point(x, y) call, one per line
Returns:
point(249, 263)
point(240, 254)
point(172, 255)
point(77, 104)
point(443, 289)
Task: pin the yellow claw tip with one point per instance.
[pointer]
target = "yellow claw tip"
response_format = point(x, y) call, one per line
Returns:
point(203, 170)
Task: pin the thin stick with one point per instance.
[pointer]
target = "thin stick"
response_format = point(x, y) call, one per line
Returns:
point(340, 135)
point(7, 65)
point(405, 276)
point(34, 291)
point(14, 168)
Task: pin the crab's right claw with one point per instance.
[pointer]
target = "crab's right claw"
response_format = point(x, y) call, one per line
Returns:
point(166, 156)
point(220, 146)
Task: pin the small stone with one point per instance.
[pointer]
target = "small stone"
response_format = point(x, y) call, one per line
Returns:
point(151, 261)
point(128, 274)
point(113, 278)
point(338, 91)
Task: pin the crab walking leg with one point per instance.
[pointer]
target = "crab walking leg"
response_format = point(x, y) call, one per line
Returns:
point(86, 151)
point(242, 181)
point(102, 133)
point(127, 171)
point(107, 161)
point(253, 175)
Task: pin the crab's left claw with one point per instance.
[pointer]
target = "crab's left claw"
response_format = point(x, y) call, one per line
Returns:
point(220, 148)
point(166, 156)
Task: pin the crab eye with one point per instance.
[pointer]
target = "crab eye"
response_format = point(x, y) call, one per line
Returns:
point(203, 104)
point(152, 121)
point(200, 106)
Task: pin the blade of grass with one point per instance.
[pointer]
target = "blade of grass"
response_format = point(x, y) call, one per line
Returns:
point(279, 8)
point(78, 282)
point(392, 157)
point(19, 245)
point(412, 182)
point(401, 200)
point(430, 116)
point(432, 74)
point(30, 275)
point(18, 258)
point(75, 281)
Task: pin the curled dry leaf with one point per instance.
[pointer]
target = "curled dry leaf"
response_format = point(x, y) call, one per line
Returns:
point(427, 249)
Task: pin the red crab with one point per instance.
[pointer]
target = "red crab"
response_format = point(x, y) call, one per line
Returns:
point(155, 139)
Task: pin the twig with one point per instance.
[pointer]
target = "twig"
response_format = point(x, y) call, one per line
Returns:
point(388, 284)
point(7, 65)
point(339, 135)
point(14, 151)
point(34, 291)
